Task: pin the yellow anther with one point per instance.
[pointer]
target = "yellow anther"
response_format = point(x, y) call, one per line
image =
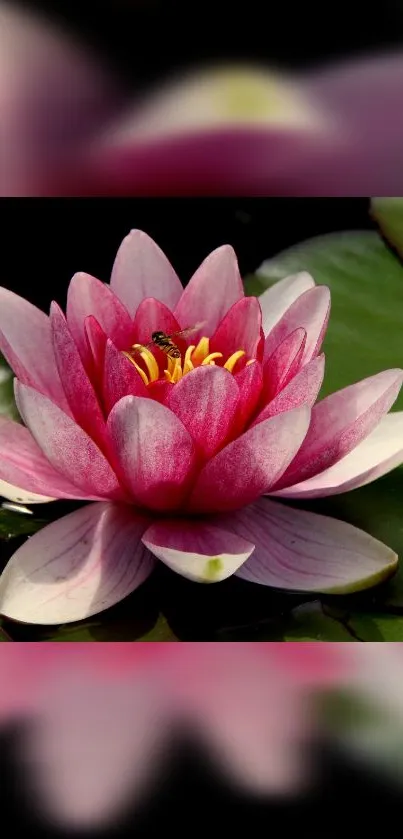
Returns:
point(187, 364)
point(209, 359)
point(232, 360)
point(202, 349)
point(177, 373)
point(251, 361)
point(139, 370)
point(149, 361)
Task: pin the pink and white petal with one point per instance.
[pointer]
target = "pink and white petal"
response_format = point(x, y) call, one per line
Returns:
point(341, 421)
point(239, 329)
point(120, 378)
point(250, 383)
point(155, 452)
point(141, 270)
point(311, 312)
point(304, 551)
point(213, 289)
point(206, 402)
point(152, 315)
point(251, 464)
point(303, 389)
point(26, 476)
point(197, 550)
point(97, 338)
point(67, 446)
point(76, 566)
point(79, 391)
point(88, 296)
point(277, 299)
point(375, 456)
point(26, 343)
point(284, 363)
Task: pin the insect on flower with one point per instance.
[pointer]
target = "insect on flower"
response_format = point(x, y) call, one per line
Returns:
point(165, 342)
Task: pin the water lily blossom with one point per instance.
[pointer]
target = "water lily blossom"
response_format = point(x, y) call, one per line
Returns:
point(179, 452)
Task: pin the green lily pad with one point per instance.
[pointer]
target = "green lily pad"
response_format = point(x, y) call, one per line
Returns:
point(366, 320)
point(388, 213)
point(311, 622)
point(8, 407)
point(13, 524)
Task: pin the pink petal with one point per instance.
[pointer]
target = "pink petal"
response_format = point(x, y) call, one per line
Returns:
point(248, 466)
point(141, 270)
point(250, 383)
point(277, 299)
point(97, 339)
point(77, 386)
point(76, 566)
point(155, 451)
point(197, 550)
point(339, 423)
point(152, 315)
point(239, 329)
point(160, 391)
point(378, 454)
point(307, 552)
point(284, 363)
point(311, 312)
point(26, 343)
point(213, 289)
point(303, 389)
point(23, 464)
point(206, 401)
point(68, 448)
point(88, 296)
point(120, 378)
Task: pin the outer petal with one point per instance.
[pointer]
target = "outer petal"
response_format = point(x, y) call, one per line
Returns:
point(311, 312)
point(340, 421)
point(378, 454)
point(26, 343)
point(239, 329)
point(141, 270)
point(248, 466)
point(303, 389)
point(26, 476)
point(206, 402)
point(76, 566)
point(88, 296)
point(279, 297)
point(250, 383)
point(307, 552)
point(120, 378)
point(213, 289)
point(284, 363)
point(197, 550)
point(68, 448)
point(155, 451)
point(79, 391)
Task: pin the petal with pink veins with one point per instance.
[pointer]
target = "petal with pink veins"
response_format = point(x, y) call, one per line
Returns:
point(67, 446)
point(250, 383)
point(88, 296)
point(120, 378)
point(142, 270)
point(311, 312)
point(155, 452)
point(97, 338)
point(152, 316)
point(26, 343)
point(213, 289)
point(239, 329)
point(284, 363)
point(303, 389)
point(277, 299)
point(206, 402)
point(378, 454)
point(26, 476)
point(307, 552)
point(197, 550)
point(77, 566)
point(340, 422)
point(79, 391)
point(251, 464)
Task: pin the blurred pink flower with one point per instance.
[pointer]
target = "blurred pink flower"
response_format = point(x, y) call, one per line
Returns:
point(177, 452)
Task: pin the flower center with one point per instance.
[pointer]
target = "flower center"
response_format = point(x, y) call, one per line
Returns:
point(195, 356)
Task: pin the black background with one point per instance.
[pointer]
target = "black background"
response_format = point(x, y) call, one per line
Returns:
point(45, 241)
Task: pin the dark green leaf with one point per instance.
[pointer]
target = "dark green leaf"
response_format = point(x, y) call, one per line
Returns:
point(388, 213)
point(311, 622)
point(18, 524)
point(7, 402)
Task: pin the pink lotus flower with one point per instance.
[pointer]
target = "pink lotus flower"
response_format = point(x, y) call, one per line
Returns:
point(178, 453)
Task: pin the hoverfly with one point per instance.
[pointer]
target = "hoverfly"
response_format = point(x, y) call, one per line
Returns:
point(165, 342)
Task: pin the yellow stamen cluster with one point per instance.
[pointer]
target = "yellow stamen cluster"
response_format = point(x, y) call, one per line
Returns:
point(195, 356)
